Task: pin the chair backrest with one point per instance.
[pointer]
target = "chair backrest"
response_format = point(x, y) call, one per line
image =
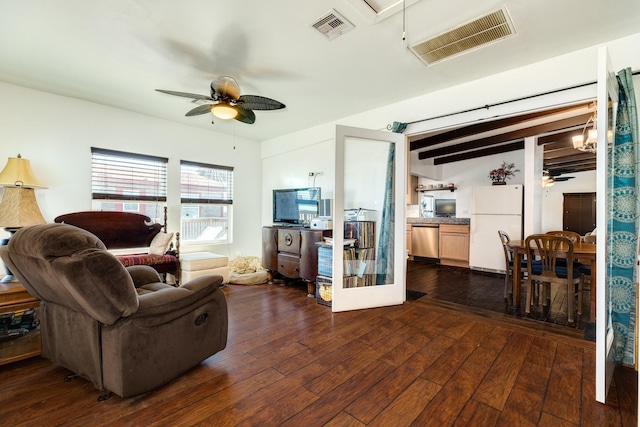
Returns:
point(572, 235)
point(548, 248)
point(71, 267)
point(504, 238)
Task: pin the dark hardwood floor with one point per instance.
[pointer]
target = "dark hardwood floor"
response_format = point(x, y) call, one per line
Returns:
point(292, 362)
point(481, 291)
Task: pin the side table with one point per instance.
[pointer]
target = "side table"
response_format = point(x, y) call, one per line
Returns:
point(14, 297)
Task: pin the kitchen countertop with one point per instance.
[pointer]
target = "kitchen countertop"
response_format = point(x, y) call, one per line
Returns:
point(418, 221)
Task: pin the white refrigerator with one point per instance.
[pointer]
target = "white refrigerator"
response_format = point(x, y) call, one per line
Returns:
point(493, 208)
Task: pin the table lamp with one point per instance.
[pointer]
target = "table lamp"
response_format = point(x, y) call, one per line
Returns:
point(18, 206)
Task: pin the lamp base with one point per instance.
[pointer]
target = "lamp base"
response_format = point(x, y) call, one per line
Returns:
point(8, 278)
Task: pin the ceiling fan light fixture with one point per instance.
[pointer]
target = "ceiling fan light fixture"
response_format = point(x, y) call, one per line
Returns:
point(224, 111)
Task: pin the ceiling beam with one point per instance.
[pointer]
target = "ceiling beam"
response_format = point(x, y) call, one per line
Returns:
point(487, 126)
point(562, 137)
point(569, 162)
point(568, 153)
point(505, 137)
point(564, 168)
point(496, 149)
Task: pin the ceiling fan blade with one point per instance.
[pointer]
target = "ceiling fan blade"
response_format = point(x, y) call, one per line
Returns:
point(225, 86)
point(200, 109)
point(563, 178)
point(255, 102)
point(245, 116)
point(185, 94)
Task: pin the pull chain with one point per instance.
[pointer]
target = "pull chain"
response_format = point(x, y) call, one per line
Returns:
point(404, 20)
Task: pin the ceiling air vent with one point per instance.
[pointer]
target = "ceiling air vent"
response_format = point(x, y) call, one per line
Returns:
point(332, 25)
point(471, 35)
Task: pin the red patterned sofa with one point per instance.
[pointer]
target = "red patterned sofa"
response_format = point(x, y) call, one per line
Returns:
point(126, 230)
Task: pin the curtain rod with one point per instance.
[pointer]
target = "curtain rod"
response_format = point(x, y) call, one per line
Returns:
point(487, 106)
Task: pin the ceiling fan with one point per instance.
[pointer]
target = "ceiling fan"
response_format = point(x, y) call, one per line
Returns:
point(550, 177)
point(225, 101)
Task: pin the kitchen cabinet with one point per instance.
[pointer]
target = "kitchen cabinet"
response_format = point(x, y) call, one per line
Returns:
point(412, 194)
point(409, 241)
point(454, 245)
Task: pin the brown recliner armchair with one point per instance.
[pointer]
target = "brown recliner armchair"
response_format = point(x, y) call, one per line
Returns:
point(120, 328)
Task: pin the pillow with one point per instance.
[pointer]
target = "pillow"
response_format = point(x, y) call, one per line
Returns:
point(160, 243)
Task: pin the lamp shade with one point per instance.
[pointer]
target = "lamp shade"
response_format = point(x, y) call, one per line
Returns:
point(17, 172)
point(19, 208)
point(578, 141)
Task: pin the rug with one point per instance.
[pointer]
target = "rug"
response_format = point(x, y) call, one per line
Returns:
point(414, 295)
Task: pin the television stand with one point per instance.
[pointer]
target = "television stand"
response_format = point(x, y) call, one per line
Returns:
point(291, 251)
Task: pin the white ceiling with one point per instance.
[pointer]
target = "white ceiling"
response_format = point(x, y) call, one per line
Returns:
point(117, 52)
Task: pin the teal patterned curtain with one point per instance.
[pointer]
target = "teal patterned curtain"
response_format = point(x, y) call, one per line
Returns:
point(384, 263)
point(622, 230)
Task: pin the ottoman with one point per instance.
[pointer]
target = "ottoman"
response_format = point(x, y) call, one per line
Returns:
point(196, 264)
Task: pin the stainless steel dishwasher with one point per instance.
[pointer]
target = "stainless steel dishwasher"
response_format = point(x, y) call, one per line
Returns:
point(424, 240)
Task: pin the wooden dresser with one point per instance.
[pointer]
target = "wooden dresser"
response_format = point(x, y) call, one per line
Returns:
point(292, 252)
point(13, 298)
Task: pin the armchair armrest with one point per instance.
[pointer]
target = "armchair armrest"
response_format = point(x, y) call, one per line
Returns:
point(143, 275)
point(197, 283)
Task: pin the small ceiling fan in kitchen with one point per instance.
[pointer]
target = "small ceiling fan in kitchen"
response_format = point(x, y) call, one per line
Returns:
point(226, 103)
point(551, 177)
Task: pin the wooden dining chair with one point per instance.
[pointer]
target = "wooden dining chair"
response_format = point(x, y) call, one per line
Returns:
point(589, 237)
point(508, 263)
point(549, 248)
point(585, 269)
point(572, 235)
point(575, 238)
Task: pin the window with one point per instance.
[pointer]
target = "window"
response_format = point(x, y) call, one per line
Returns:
point(206, 193)
point(128, 182)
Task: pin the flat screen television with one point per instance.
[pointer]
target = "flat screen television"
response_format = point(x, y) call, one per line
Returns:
point(445, 207)
point(295, 205)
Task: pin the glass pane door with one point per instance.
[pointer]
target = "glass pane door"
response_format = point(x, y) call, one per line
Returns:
point(369, 254)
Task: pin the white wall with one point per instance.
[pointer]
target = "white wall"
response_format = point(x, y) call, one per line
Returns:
point(291, 170)
point(55, 133)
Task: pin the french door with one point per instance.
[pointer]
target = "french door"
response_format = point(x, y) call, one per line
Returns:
point(369, 203)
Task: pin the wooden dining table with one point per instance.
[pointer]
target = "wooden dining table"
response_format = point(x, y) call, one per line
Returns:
point(581, 251)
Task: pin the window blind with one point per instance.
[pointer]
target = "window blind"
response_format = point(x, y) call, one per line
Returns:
point(202, 183)
point(117, 175)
